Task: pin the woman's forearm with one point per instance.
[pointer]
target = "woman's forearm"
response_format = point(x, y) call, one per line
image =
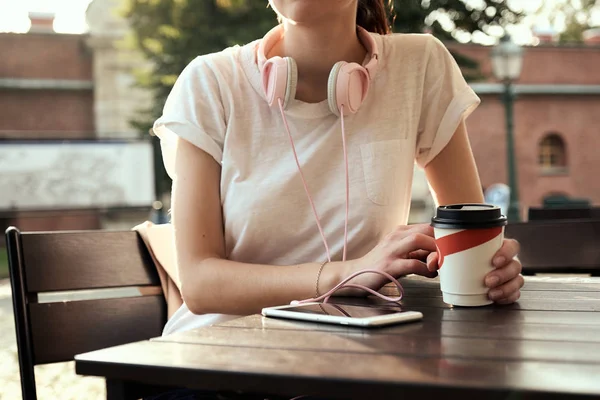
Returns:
point(453, 174)
point(217, 285)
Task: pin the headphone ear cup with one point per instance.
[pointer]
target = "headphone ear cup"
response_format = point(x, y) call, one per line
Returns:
point(348, 86)
point(292, 81)
point(332, 88)
point(279, 78)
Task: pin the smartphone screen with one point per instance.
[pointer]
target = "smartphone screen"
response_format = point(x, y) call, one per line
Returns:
point(343, 310)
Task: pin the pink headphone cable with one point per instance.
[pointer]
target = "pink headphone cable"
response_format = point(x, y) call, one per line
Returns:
point(344, 284)
point(347, 183)
point(312, 203)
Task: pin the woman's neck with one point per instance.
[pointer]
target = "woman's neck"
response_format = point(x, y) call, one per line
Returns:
point(316, 49)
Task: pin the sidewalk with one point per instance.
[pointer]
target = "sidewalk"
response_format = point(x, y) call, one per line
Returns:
point(54, 381)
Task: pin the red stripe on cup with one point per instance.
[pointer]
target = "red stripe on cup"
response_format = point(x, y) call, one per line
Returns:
point(464, 240)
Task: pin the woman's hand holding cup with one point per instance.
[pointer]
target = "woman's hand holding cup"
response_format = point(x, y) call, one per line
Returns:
point(505, 281)
point(477, 265)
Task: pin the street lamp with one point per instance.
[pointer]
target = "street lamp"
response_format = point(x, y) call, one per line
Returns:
point(507, 63)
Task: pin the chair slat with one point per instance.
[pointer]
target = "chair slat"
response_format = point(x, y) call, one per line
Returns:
point(57, 261)
point(558, 246)
point(62, 330)
point(549, 214)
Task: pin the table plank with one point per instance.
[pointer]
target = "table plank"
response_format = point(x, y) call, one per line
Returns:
point(492, 315)
point(557, 304)
point(298, 372)
point(414, 291)
point(414, 340)
point(420, 292)
point(436, 328)
point(532, 283)
point(413, 302)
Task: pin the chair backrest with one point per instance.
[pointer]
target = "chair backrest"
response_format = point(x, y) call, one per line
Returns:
point(571, 246)
point(549, 214)
point(110, 284)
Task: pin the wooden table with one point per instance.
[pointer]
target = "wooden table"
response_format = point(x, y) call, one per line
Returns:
point(545, 346)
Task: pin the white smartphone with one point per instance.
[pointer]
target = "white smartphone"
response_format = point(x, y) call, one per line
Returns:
point(343, 314)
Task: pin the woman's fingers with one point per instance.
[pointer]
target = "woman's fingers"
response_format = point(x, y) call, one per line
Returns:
point(419, 255)
point(504, 274)
point(507, 290)
point(402, 267)
point(413, 242)
point(432, 261)
point(509, 250)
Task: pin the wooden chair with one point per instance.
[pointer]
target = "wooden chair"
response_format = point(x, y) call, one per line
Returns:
point(63, 264)
point(564, 246)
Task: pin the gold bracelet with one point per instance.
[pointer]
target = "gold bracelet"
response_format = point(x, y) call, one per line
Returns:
point(318, 277)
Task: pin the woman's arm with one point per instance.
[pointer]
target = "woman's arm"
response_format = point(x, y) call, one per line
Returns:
point(452, 174)
point(210, 283)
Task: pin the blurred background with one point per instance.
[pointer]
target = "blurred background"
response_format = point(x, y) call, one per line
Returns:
point(82, 81)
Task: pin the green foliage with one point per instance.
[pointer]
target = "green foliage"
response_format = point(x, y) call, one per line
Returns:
point(573, 32)
point(578, 18)
point(171, 33)
point(444, 18)
point(575, 14)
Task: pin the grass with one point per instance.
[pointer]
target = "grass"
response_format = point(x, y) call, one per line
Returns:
point(3, 263)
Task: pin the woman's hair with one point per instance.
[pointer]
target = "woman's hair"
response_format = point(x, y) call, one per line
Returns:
point(373, 16)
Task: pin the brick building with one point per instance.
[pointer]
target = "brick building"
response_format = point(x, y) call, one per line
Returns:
point(46, 92)
point(43, 75)
point(49, 95)
point(557, 120)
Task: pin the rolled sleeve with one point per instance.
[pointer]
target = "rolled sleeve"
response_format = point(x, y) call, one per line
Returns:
point(194, 112)
point(447, 100)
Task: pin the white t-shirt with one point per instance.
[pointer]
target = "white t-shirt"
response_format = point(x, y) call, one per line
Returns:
point(416, 101)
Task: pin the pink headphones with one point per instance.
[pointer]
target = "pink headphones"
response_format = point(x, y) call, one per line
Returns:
point(348, 82)
point(346, 90)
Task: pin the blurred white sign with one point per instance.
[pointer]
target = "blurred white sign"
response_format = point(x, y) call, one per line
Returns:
point(498, 195)
point(39, 176)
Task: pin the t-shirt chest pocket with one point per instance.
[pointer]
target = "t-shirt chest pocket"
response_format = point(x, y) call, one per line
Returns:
point(384, 165)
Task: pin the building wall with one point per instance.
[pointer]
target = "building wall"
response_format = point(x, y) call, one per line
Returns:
point(544, 64)
point(46, 92)
point(574, 117)
point(46, 88)
point(45, 56)
point(46, 114)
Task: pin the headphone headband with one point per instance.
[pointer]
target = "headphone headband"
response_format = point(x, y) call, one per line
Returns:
point(276, 34)
point(347, 86)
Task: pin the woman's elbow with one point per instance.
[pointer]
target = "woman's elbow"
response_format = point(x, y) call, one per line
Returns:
point(195, 291)
point(192, 301)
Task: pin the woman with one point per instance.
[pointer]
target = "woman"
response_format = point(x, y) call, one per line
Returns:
point(253, 140)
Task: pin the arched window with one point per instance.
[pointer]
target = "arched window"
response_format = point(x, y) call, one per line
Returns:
point(552, 153)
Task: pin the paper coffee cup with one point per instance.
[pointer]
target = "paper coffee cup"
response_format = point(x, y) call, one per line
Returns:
point(467, 237)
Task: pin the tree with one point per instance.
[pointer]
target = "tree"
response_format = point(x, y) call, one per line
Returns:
point(446, 18)
point(170, 33)
point(578, 19)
